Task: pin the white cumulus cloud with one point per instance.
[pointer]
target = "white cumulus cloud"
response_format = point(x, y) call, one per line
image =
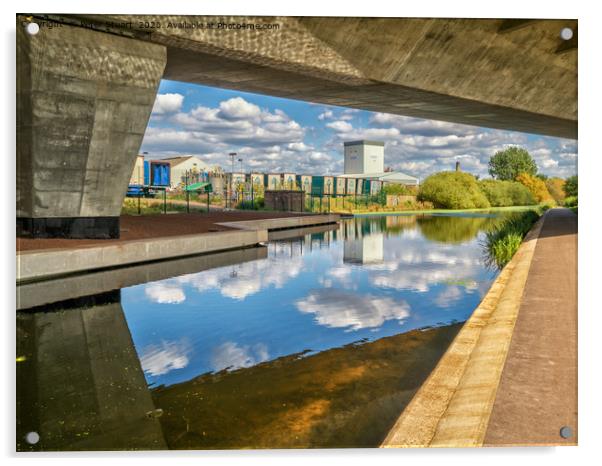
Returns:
point(238, 108)
point(167, 103)
point(165, 357)
point(231, 356)
point(343, 309)
point(164, 293)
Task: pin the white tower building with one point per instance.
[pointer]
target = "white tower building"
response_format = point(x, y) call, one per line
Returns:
point(364, 157)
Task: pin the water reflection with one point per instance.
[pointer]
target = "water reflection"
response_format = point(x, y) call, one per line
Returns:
point(320, 342)
point(366, 250)
point(80, 383)
point(455, 229)
point(352, 311)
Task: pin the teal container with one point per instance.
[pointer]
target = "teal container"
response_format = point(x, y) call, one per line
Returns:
point(317, 185)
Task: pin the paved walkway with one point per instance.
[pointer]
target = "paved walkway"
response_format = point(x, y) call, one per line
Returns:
point(537, 394)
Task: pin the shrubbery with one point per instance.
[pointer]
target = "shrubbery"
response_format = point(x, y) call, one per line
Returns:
point(570, 201)
point(556, 189)
point(453, 190)
point(502, 242)
point(537, 186)
point(257, 204)
point(506, 193)
point(399, 189)
point(571, 186)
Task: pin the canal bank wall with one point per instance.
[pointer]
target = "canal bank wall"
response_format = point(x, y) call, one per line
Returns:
point(43, 264)
point(40, 293)
point(454, 405)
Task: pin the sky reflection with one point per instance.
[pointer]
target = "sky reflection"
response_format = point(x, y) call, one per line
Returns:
point(370, 278)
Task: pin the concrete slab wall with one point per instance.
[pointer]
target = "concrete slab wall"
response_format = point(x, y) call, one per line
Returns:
point(47, 263)
point(83, 102)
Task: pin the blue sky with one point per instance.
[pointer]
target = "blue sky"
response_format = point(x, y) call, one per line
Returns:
point(275, 135)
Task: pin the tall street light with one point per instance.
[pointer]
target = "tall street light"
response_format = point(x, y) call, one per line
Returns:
point(242, 185)
point(232, 155)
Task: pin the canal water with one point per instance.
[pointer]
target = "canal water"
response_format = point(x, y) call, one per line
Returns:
point(319, 339)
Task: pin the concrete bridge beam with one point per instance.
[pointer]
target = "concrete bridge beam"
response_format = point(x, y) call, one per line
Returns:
point(83, 102)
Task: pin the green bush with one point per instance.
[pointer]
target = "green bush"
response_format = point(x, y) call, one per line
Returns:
point(399, 189)
point(503, 241)
point(257, 204)
point(505, 247)
point(571, 186)
point(506, 193)
point(570, 201)
point(453, 190)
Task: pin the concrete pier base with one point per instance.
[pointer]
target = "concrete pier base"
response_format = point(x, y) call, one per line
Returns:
point(83, 102)
point(69, 227)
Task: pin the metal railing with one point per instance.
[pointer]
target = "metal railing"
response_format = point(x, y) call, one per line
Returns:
point(202, 202)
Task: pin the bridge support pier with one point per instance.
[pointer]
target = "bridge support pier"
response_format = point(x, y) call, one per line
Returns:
point(83, 102)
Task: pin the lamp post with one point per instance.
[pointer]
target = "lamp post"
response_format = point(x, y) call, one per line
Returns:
point(232, 155)
point(241, 187)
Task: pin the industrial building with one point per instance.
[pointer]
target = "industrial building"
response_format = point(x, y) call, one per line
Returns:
point(366, 160)
point(181, 167)
point(364, 168)
point(137, 177)
point(364, 157)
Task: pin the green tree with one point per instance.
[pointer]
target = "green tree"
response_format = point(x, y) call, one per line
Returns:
point(570, 186)
point(453, 190)
point(507, 164)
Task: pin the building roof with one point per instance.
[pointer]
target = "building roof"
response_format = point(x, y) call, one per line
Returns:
point(201, 186)
point(174, 161)
point(364, 142)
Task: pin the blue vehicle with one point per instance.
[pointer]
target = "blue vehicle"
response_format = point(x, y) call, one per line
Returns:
point(156, 174)
point(138, 190)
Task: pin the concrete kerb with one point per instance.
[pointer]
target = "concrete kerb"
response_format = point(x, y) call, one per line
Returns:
point(284, 222)
point(42, 264)
point(453, 406)
point(42, 292)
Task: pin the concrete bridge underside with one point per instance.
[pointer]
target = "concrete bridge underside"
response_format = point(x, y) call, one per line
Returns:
point(85, 93)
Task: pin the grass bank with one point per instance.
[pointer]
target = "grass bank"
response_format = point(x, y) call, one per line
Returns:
point(505, 238)
point(153, 207)
point(451, 211)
